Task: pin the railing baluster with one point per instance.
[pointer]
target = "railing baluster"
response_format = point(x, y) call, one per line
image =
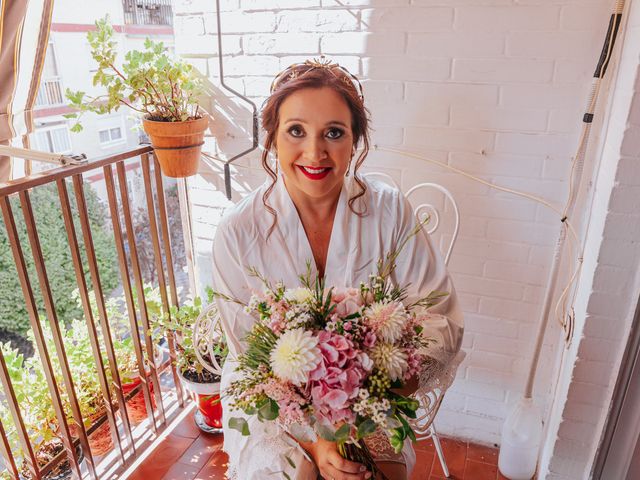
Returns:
point(5, 448)
point(137, 276)
point(88, 314)
point(23, 436)
point(41, 346)
point(128, 294)
point(146, 173)
point(102, 311)
point(50, 310)
point(97, 321)
point(164, 224)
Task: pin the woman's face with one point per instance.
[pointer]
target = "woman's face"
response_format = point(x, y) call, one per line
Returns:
point(314, 142)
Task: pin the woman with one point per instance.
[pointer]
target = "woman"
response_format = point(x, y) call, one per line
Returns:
point(316, 207)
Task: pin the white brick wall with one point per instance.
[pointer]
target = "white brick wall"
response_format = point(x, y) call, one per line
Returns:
point(495, 87)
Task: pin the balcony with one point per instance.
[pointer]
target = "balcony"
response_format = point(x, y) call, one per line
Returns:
point(147, 12)
point(50, 93)
point(142, 429)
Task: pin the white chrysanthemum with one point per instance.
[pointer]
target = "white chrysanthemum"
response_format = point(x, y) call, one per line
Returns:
point(387, 319)
point(298, 295)
point(295, 354)
point(391, 359)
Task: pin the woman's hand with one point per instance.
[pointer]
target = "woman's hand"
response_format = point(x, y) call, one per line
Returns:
point(331, 464)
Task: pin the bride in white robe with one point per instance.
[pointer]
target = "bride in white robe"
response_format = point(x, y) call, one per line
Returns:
point(355, 246)
point(351, 241)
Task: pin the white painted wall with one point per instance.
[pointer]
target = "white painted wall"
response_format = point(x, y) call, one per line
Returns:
point(495, 87)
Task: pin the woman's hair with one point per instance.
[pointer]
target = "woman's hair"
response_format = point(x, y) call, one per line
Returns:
point(315, 75)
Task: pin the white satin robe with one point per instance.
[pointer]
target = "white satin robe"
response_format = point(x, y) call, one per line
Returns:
point(356, 244)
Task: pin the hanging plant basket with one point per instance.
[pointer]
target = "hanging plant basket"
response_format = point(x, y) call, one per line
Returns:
point(177, 144)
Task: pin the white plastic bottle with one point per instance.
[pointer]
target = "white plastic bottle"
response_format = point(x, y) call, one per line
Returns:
point(521, 436)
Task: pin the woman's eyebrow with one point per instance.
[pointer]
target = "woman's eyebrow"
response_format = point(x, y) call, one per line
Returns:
point(332, 122)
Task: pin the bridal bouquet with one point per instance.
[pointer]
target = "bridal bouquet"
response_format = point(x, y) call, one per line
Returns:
point(325, 361)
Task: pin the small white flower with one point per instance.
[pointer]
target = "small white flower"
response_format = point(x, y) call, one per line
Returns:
point(294, 355)
point(298, 295)
point(363, 393)
point(390, 359)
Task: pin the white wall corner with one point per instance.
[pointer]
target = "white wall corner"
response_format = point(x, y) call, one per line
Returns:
point(604, 309)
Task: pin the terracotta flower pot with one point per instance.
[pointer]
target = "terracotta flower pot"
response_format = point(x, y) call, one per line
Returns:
point(136, 407)
point(209, 413)
point(177, 144)
point(100, 440)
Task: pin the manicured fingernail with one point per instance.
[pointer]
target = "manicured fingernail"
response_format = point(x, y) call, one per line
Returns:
point(362, 468)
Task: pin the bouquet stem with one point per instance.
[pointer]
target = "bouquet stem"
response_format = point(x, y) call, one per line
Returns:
point(359, 452)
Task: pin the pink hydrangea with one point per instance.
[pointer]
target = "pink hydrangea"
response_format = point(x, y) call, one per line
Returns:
point(348, 301)
point(337, 379)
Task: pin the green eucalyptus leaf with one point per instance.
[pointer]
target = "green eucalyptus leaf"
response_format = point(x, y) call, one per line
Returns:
point(325, 432)
point(239, 424)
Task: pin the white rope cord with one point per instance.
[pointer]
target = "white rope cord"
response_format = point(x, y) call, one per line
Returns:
point(540, 200)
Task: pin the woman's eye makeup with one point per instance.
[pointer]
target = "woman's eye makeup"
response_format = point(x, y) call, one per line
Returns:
point(333, 133)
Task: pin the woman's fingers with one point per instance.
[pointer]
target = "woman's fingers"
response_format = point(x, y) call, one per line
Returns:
point(329, 472)
point(350, 470)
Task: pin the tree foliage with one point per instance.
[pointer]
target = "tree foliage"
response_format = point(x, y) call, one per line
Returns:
point(55, 249)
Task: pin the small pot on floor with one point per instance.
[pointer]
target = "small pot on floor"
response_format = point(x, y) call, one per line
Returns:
point(206, 393)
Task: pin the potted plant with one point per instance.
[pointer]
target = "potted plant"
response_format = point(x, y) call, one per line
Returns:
point(162, 89)
point(200, 353)
point(30, 388)
point(125, 352)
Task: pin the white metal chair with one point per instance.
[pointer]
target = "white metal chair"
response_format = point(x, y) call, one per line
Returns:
point(430, 400)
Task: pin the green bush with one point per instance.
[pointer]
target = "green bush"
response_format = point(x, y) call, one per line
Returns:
point(55, 249)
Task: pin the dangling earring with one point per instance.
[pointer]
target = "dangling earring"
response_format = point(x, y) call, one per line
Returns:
point(348, 170)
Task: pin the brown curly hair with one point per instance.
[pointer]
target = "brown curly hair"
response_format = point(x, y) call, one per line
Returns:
point(301, 77)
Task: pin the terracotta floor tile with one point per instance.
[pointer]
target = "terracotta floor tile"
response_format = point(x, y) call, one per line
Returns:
point(180, 471)
point(216, 467)
point(201, 450)
point(165, 455)
point(480, 453)
point(424, 445)
point(455, 454)
point(187, 428)
point(480, 471)
point(422, 470)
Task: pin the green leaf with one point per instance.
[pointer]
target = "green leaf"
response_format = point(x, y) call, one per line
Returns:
point(326, 433)
point(70, 115)
point(290, 462)
point(269, 411)
point(366, 428)
point(342, 434)
point(239, 424)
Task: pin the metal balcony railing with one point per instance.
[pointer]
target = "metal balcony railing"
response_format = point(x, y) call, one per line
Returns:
point(163, 396)
point(147, 12)
point(50, 93)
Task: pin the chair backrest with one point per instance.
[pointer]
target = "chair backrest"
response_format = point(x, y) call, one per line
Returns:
point(427, 208)
point(207, 333)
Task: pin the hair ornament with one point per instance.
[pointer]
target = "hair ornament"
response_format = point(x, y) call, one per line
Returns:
point(298, 70)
